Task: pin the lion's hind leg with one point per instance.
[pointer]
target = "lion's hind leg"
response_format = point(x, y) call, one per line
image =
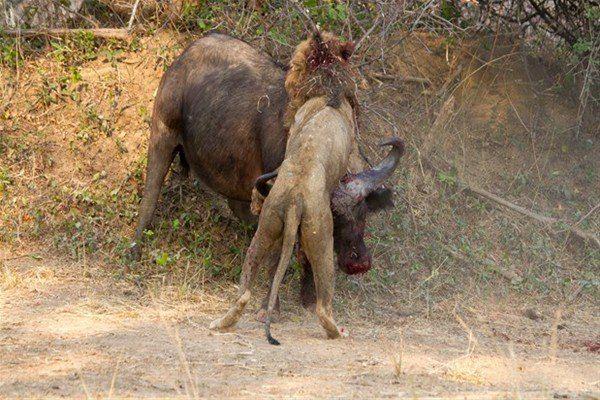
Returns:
point(266, 239)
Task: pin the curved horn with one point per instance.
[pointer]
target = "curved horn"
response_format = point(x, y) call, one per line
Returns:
point(261, 183)
point(367, 181)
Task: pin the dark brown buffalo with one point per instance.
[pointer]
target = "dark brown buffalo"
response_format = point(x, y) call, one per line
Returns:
point(221, 107)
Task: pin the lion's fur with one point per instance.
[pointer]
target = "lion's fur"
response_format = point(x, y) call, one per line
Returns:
point(319, 67)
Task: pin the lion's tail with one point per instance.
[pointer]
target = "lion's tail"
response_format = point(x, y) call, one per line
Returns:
point(290, 229)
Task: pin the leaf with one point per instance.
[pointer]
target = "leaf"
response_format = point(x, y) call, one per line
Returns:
point(163, 259)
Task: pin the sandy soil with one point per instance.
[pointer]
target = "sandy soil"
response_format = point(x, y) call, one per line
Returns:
point(67, 330)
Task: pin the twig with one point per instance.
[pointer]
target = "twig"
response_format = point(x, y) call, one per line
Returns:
point(132, 18)
point(480, 68)
point(357, 22)
point(17, 257)
point(585, 89)
point(587, 215)
point(450, 80)
point(508, 274)
point(554, 334)
point(411, 79)
point(367, 33)
point(108, 33)
point(298, 8)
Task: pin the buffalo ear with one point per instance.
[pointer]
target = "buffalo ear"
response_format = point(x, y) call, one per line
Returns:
point(261, 184)
point(380, 199)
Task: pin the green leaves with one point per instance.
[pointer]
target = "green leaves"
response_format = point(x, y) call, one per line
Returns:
point(449, 11)
point(447, 177)
point(593, 13)
point(337, 12)
point(330, 15)
point(582, 46)
point(5, 180)
point(200, 15)
point(8, 52)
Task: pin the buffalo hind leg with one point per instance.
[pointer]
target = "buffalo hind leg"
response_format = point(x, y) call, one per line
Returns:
point(185, 166)
point(241, 209)
point(161, 151)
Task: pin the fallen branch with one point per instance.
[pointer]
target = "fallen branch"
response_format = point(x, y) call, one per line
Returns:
point(583, 235)
point(107, 33)
point(443, 117)
point(508, 274)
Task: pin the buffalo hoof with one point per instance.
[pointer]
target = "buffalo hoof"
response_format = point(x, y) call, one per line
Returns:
point(261, 316)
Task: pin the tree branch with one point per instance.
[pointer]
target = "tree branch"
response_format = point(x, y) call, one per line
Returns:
point(107, 33)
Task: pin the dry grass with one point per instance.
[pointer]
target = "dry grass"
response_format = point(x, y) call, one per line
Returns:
point(72, 142)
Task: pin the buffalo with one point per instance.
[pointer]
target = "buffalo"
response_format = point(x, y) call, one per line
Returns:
point(299, 204)
point(222, 106)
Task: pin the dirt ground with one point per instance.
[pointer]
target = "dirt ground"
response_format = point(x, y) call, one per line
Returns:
point(68, 334)
point(466, 299)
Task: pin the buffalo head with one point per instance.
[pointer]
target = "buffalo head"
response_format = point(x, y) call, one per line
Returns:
point(356, 196)
point(351, 202)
